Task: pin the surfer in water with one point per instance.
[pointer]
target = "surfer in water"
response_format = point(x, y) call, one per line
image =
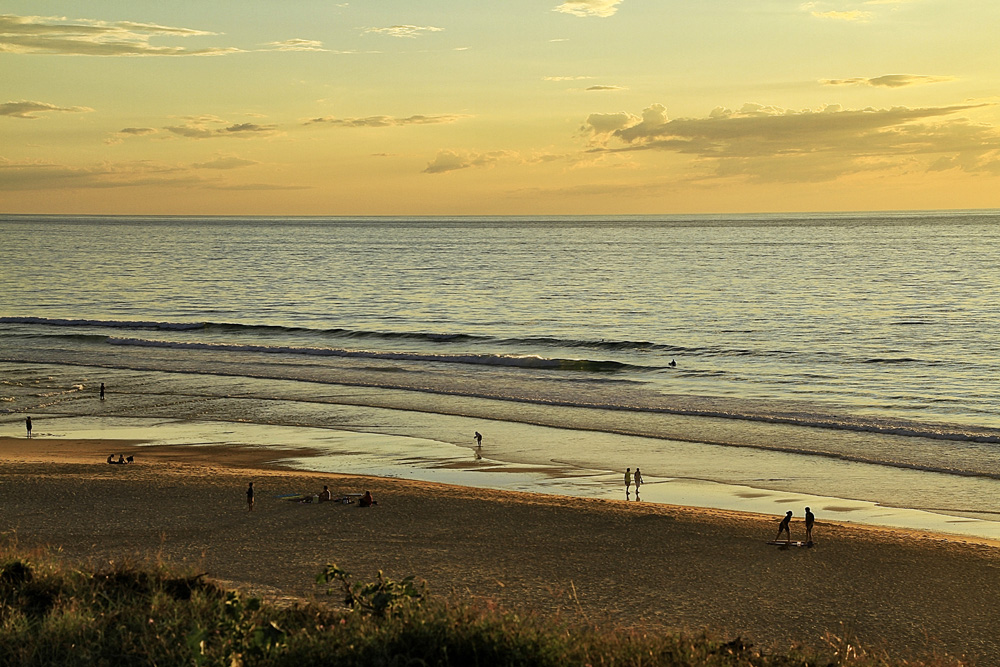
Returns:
point(783, 527)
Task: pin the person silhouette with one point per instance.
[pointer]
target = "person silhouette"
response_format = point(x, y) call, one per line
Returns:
point(783, 527)
point(628, 481)
point(479, 439)
point(250, 497)
point(638, 481)
point(102, 391)
point(810, 520)
point(27, 425)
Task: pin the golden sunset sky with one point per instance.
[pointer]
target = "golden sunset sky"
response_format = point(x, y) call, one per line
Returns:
point(384, 107)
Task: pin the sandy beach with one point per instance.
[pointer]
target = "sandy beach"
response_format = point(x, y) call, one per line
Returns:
point(632, 564)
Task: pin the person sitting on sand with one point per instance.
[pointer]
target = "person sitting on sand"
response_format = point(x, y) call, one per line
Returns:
point(325, 495)
point(121, 459)
point(783, 527)
point(366, 500)
point(111, 458)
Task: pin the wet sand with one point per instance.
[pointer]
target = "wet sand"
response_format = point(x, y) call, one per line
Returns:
point(605, 561)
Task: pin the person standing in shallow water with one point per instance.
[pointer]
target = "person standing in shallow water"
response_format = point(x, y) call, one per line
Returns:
point(250, 497)
point(479, 439)
point(628, 480)
point(27, 425)
point(102, 391)
point(638, 481)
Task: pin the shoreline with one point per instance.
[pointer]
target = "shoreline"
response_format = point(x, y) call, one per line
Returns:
point(641, 565)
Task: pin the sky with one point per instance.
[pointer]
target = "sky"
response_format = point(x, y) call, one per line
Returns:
point(473, 107)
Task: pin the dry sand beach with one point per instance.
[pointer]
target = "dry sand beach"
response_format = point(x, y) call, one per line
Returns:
point(606, 561)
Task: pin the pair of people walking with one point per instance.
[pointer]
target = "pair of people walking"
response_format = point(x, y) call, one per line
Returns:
point(630, 479)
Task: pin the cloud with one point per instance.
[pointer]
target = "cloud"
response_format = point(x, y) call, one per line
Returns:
point(771, 143)
point(122, 134)
point(888, 80)
point(30, 110)
point(587, 8)
point(385, 121)
point(607, 88)
point(448, 160)
point(410, 31)
point(851, 15)
point(85, 37)
point(225, 162)
point(198, 128)
point(296, 45)
point(36, 176)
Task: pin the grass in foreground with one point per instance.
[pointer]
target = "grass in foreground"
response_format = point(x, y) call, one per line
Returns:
point(51, 614)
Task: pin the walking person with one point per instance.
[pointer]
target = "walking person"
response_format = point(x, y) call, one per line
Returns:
point(479, 439)
point(783, 527)
point(250, 497)
point(638, 481)
point(27, 425)
point(810, 520)
point(628, 481)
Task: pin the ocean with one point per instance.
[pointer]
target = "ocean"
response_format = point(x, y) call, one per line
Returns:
point(751, 362)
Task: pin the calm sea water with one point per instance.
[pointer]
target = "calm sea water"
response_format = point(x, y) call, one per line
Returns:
point(822, 340)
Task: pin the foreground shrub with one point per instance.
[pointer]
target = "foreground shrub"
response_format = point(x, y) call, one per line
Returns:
point(132, 615)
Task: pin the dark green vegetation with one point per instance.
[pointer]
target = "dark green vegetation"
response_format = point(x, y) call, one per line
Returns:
point(51, 614)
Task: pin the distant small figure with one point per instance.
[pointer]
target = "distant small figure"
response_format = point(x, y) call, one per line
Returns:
point(783, 527)
point(250, 497)
point(638, 480)
point(325, 495)
point(102, 391)
point(479, 439)
point(810, 520)
point(673, 363)
point(121, 459)
point(129, 459)
point(367, 500)
point(27, 425)
point(111, 458)
point(628, 480)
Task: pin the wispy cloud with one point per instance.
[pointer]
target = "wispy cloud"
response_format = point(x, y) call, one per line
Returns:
point(849, 15)
point(296, 45)
point(126, 132)
point(600, 8)
point(448, 160)
point(225, 162)
point(385, 121)
point(888, 80)
point(409, 31)
point(566, 78)
point(201, 129)
point(771, 143)
point(601, 88)
point(30, 110)
point(86, 37)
